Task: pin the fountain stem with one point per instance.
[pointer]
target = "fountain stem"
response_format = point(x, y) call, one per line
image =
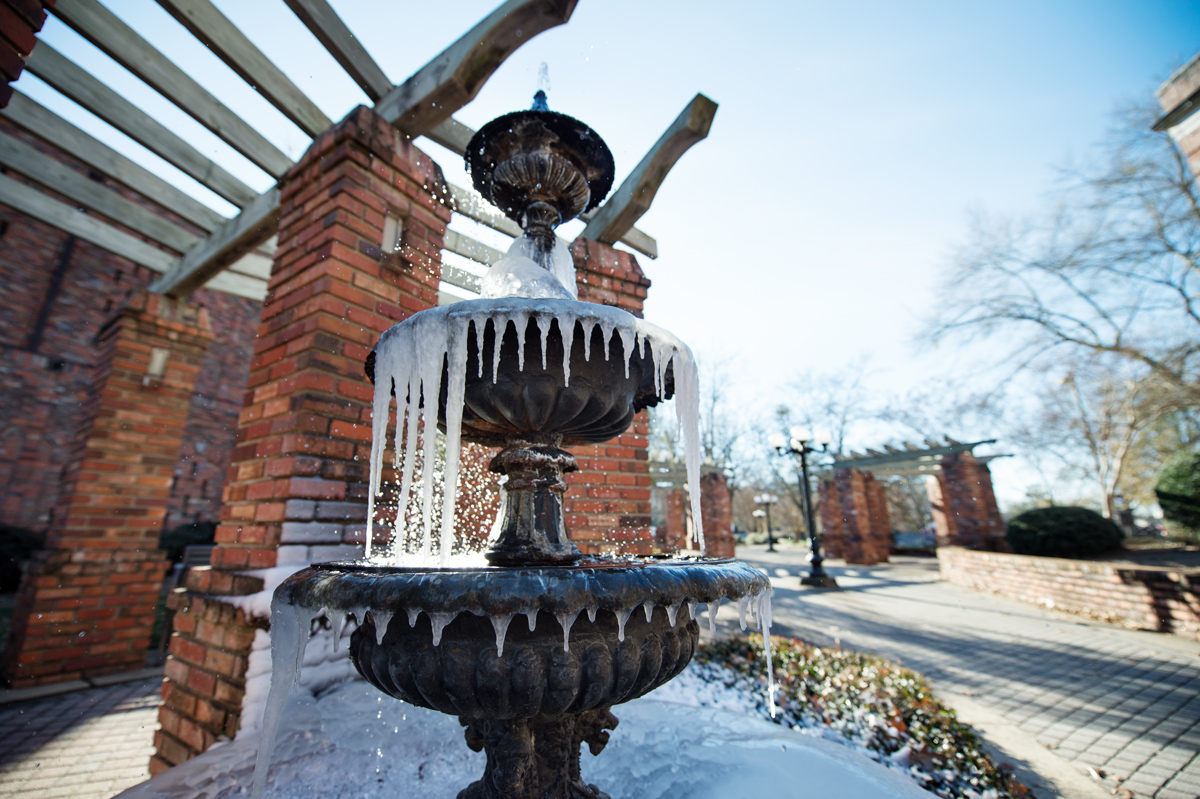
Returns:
point(533, 531)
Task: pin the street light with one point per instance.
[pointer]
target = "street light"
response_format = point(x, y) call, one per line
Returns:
point(799, 446)
point(766, 500)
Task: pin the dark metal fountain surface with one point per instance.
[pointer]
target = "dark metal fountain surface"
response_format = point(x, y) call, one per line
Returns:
point(595, 631)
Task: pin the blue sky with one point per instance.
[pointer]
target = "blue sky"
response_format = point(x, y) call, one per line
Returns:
point(851, 142)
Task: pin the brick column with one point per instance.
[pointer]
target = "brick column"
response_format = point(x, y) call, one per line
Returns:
point(964, 505)
point(297, 487)
point(859, 536)
point(86, 603)
point(1174, 93)
point(675, 533)
point(830, 508)
point(718, 514)
point(608, 503)
point(880, 521)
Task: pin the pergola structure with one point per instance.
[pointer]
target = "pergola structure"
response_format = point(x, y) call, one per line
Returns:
point(347, 241)
point(854, 512)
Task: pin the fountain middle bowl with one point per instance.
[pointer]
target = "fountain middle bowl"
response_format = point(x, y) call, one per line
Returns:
point(565, 368)
point(594, 634)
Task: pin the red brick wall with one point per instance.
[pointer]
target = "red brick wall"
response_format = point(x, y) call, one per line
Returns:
point(717, 509)
point(830, 508)
point(963, 504)
point(19, 21)
point(86, 603)
point(607, 503)
point(863, 518)
point(1142, 598)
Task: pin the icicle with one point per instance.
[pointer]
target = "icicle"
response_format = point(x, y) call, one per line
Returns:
point(381, 619)
point(648, 606)
point(742, 603)
point(606, 329)
point(439, 622)
point(627, 338)
point(588, 326)
point(673, 613)
point(543, 322)
point(410, 452)
point(501, 327)
point(339, 626)
point(290, 628)
point(500, 625)
point(531, 617)
point(431, 387)
point(713, 607)
point(691, 606)
point(413, 613)
point(521, 324)
point(622, 617)
point(687, 409)
point(566, 619)
point(763, 601)
point(480, 324)
point(566, 327)
point(455, 392)
point(592, 613)
point(381, 402)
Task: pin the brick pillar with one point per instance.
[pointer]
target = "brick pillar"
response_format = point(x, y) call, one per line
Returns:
point(608, 503)
point(1174, 93)
point(964, 504)
point(718, 514)
point(674, 537)
point(18, 24)
point(830, 508)
point(880, 522)
point(297, 487)
point(86, 603)
point(858, 538)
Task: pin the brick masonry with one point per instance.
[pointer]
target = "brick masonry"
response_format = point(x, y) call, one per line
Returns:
point(1139, 597)
point(854, 518)
point(1173, 93)
point(19, 21)
point(86, 603)
point(716, 506)
point(964, 505)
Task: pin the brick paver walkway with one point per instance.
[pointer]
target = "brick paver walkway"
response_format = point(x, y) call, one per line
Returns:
point(88, 744)
point(1124, 702)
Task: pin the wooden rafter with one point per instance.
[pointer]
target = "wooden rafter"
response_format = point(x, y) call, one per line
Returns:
point(78, 84)
point(77, 187)
point(256, 223)
point(627, 204)
point(41, 206)
point(47, 125)
point(120, 42)
point(221, 36)
point(455, 76)
point(320, 18)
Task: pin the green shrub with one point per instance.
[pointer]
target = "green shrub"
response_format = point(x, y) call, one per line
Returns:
point(1178, 492)
point(1063, 532)
point(185, 535)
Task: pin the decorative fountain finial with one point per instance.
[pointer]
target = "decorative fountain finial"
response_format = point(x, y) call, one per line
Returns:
point(531, 370)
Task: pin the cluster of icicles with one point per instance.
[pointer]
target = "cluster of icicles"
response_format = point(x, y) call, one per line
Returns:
point(410, 356)
point(291, 627)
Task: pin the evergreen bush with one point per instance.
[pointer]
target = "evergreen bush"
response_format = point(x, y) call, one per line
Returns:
point(1178, 492)
point(1063, 532)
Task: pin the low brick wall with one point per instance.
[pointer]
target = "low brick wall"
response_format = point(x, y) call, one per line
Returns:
point(1145, 598)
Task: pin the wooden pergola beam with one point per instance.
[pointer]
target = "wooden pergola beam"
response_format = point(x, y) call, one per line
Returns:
point(455, 76)
point(320, 18)
point(257, 222)
point(44, 123)
point(619, 213)
point(105, 29)
point(221, 36)
point(77, 187)
point(78, 84)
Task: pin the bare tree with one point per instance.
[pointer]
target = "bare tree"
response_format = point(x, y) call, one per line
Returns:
point(1113, 270)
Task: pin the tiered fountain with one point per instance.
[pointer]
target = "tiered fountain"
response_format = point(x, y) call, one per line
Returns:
point(531, 369)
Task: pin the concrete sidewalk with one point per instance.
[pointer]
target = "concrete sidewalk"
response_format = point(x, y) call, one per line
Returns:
point(86, 744)
point(1123, 703)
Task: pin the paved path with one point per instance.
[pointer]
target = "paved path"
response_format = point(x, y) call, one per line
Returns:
point(1123, 702)
point(89, 744)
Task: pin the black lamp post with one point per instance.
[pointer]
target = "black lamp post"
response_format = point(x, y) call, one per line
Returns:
point(799, 446)
point(766, 501)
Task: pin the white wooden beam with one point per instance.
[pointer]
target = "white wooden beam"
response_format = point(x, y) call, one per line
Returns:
point(452, 134)
point(257, 222)
point(221, 36)
point(76, 83)
point(627, 204)
point(467, 247)
point(320, 18)
point(455, 76)
point(47, 125)
point(105, 30)
point(472, 206)
point(77, 187)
